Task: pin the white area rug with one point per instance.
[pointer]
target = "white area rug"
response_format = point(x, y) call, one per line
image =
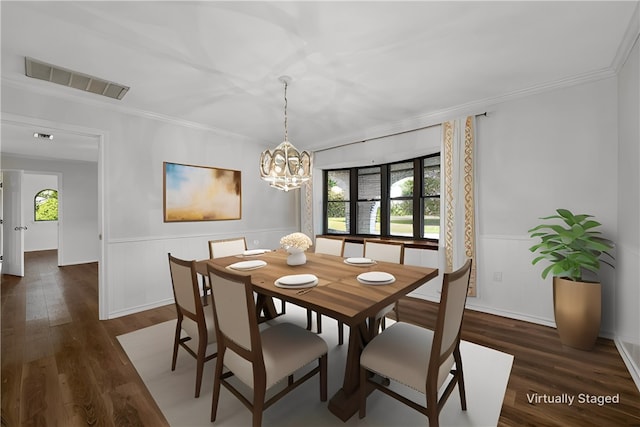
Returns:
point(486, 375)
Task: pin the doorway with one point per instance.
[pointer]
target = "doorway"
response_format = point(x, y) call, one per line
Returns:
point(77, 153)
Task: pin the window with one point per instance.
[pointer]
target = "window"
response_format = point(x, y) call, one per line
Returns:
point(431, 197)
point(392, 200)
point(401, 198)
point(369, 200)
point(46, 205)
point(337, 203)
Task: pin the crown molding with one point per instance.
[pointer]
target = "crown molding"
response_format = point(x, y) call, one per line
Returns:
point(43, 90)
point(628, 41)
point(406, 125)
point(470, 108)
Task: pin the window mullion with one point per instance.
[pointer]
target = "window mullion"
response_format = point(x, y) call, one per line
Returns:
point(353, 200)
point(418, 186)
point(385, 201)
point(325, 201)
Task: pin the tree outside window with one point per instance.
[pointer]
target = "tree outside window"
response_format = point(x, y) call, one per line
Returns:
point(46, 205)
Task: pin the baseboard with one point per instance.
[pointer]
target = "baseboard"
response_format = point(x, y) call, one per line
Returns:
point(67, 263)
point(631, 364)
point(508, 314)
point(513, 315)
point(497, 312)
point(137, 309)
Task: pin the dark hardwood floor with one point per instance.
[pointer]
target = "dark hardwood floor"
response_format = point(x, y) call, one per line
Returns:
point(542, 366)
point(62, 366)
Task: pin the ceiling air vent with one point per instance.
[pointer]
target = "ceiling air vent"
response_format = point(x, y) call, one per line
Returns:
point(62, 76)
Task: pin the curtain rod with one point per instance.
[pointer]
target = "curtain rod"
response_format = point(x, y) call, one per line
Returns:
point(388, 135)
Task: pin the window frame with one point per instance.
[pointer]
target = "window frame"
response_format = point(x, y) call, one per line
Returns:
point(418, 198)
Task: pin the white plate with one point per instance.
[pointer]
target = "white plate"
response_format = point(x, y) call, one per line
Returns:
point(251, 252)
point(247, 265)
point(376, 278)
point(359, 261)
point(297, 281)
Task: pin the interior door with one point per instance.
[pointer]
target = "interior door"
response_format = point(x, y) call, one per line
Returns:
point(12, 227)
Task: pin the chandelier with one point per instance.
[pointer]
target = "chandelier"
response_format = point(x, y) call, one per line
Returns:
point(285, 168)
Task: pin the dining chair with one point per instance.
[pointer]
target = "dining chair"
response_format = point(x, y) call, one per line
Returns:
point(258, 359)
point(388, 251)
point(193, 319)
point(420, 358)
point(229, 247)
point(384, 250)
point(329, 246)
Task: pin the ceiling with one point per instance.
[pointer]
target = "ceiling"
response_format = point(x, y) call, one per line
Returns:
point(359, 69)
point(18, 139)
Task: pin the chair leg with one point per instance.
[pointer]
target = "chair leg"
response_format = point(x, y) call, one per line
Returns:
point(259, 393)
point(460, 375)
point(205, 290)
point(319, 322)
point(176, 344)
point(383, 323)
point(432, 406)
point(308, 319)
point(283, 305)
point(202, 349)
point(340, 333)
point(216, 384)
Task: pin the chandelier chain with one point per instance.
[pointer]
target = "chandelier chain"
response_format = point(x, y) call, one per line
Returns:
point(286, 131)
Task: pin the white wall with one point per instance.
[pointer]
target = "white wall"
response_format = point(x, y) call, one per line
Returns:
point(628, 249)
point(137, 240)
point(40, 235)
point(552, 150)
point(534, 154)
point(78, 210)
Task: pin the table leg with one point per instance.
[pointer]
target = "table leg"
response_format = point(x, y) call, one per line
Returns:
point(266, 308)
point(346, 402)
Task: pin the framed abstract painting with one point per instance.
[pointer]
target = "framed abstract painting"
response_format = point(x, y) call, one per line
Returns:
point(201, 193)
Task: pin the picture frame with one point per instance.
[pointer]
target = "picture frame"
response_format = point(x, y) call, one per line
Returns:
point(201, 193)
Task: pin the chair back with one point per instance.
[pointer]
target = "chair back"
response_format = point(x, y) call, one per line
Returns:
point(186, 293)
point(234, 308)
point(449, 322)
point(227, 247)
point(329, 245)
point(382, 250)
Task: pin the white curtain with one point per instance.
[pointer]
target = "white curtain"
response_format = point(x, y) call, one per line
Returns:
point(458, 233)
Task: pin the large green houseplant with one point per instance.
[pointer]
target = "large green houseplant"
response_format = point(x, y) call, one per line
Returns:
point(573, 246)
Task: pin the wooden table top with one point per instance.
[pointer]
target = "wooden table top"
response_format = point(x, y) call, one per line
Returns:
point(338, 293)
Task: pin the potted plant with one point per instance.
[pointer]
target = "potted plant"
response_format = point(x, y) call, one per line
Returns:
point(573, 247)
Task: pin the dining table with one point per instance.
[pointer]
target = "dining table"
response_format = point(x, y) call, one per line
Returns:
point(340, 293)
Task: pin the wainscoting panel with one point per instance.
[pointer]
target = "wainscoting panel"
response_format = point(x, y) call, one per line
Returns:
point(138, 270)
